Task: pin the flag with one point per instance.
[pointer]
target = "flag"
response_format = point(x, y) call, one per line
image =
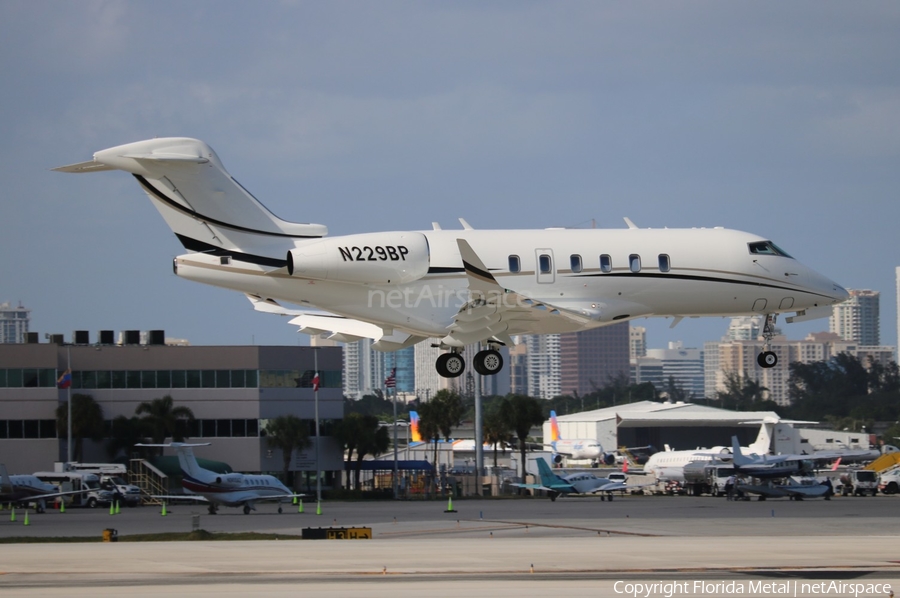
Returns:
point(316, 382)
point(64, 381)
point(391, 381)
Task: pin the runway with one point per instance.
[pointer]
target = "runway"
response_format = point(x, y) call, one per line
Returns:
point(498, 547)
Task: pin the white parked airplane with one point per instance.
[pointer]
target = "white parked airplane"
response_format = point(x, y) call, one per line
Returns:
point(229, 489)
point(576, 448)
point(668, 465)
point(458, 286)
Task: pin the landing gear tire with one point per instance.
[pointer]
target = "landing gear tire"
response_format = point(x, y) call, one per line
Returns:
point(279, 510)
point(767, 359)
point(212, 509)
point(488, 363)
point(450, 365)
point(246, 509)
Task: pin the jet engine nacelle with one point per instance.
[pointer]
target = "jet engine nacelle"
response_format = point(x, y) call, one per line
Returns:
point(372, 258)
point(229, 480)
point(609, 458)
point(557, 459)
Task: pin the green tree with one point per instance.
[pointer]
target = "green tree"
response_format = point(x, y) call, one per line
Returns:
point(495, 429)
point(87, 422)
point(348, 432)
point(287, 433)
point(374, 441)
point(124, 433)
point(163, 419)
point(521, 413)
point(742, 393)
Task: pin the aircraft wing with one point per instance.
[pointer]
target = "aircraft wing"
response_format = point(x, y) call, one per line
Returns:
point(495, 312)
point(338, 328)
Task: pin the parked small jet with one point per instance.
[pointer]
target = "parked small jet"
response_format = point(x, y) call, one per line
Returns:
point(576, 483)
point(792, 488)
point(459, 287)
point(23, 489)
point(576, 448)
point(229, 489)
point(668, 465)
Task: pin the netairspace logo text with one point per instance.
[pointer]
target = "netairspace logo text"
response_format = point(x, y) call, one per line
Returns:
point(750, 588)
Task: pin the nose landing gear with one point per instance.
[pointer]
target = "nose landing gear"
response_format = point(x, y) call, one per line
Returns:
point(768, 359)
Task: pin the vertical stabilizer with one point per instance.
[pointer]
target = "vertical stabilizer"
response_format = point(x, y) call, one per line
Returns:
point(187, 460)
point(737, 455)
point(763, 443)
point(415, 435)
point(548, 478)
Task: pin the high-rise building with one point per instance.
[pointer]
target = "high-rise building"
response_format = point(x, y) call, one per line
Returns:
point(683, 366)
point(898, 312)
point(14, 323)
point(363, 369)
point(590, 359)
point(857, 319)
point(543, 365)
point(405, 362)
point(637, 342)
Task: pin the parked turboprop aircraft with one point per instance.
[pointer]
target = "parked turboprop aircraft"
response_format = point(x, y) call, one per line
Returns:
point(575, 483)
point(576, 448)
point(460, 287)
point(229, 489)
point(24, 488)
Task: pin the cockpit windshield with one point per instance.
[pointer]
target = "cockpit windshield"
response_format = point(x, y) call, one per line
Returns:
point(767, 248)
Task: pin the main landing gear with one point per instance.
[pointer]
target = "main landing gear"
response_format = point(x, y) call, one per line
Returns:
point(768, 359)
point(486, 363)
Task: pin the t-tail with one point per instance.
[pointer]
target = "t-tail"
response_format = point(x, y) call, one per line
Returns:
point(548, 478)
point(763, 442)
point(207, 209)
point(186, 459)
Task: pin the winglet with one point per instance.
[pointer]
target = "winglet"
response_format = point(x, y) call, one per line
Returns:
point(480, 279)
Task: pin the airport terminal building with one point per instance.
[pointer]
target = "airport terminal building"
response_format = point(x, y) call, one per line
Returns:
point(232, 391)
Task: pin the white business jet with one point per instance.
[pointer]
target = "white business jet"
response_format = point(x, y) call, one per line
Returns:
point(229, 489)
point(458, 287)
point(24, 489)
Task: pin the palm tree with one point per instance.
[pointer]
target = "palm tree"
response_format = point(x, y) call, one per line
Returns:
point(495, 429)
point(288, 433)
point(521, 413)
point(348, 432)
point(163, 419)
point(373, 440)
point(87, 422)
point(124, 433)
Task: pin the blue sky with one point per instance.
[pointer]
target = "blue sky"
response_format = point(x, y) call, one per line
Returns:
point(782, 119)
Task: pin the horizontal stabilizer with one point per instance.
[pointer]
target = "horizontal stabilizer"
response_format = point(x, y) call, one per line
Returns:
point(83, 167)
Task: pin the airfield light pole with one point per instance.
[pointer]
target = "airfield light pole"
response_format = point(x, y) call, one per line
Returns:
point(69, 407)
point(479, 456)
point(316, 394)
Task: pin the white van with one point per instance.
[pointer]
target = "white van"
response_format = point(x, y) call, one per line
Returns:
point(78, 480)
point(112, 478)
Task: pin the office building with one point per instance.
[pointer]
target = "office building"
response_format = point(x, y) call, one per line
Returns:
point(232, 391)
point(591, 359)
point(14, 323)
point(857, 319)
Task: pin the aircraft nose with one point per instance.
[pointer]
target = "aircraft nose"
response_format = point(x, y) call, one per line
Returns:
point(828, 287)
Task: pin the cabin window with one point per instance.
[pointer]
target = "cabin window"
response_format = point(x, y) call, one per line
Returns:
point(575, 261)
point(514, 264)
point(634, 262)
point(663, 262)
point(545, 264)
point(605, 263)
point(767, 248)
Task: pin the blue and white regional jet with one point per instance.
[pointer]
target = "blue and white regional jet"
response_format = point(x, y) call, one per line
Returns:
point(457, 287)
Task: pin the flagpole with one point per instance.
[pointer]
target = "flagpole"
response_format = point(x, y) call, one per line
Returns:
point(69, 402)
point(396, 475)
point(316, 393)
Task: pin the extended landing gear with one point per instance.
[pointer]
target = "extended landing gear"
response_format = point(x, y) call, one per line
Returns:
point(213, 509)
point(486, 363)
point(768, 359)
point(246, 509)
